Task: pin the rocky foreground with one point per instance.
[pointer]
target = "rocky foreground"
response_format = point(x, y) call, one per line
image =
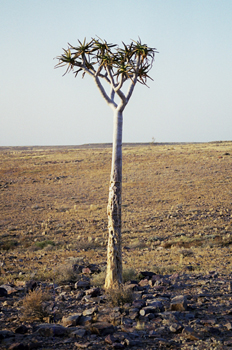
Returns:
point(178, 311)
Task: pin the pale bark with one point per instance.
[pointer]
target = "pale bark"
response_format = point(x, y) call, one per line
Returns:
point(114, 250)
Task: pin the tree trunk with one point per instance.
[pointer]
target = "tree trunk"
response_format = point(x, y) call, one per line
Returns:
point(114, 250)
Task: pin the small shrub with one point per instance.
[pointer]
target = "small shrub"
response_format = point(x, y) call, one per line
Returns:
point(34, 305)
point(98, 280)
point(11, 244)
point(119, 296)
point(128, 275)
point(43, 244)
point(65, 273)
point(138, 244)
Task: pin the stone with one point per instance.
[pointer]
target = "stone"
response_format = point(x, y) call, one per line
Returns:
point(110, 339)
point(149, 309)
point(176, 328)
point(157, 305)
point(83, 345)
point(9, 288)
point(93, 292)
point(148, 274)
point(82, 284)
point(18, 346)
point(131, 286)
point(153, 334)
point(6, 334)
point(102, 328)
point(30, 286)
point(3, 292)
point(21, 329)
point(118, 346)
point(71, 320)
point(85, 320)
point(91, 311)
point(51, 330)
point(179, 303)
point(189, 333)
point(78, 333)
point(144, 283)
point(139, 303)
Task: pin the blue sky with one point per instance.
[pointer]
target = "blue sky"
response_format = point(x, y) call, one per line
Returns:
point(188, 101)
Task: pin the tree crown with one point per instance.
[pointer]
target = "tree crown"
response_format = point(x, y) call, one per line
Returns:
point(111, 63)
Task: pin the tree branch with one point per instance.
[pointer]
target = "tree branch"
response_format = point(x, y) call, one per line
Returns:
point(109, 100)
point(116, 88)
point(133, 82)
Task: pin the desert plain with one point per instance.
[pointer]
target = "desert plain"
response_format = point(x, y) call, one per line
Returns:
point(176, 223)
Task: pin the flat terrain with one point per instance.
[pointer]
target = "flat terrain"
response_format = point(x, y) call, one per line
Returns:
point(176, 215)
point(174, 196)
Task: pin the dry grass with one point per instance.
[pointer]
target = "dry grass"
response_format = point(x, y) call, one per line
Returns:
point(34, 305)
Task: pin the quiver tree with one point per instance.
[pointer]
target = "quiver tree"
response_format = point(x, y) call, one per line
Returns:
point(115, 66)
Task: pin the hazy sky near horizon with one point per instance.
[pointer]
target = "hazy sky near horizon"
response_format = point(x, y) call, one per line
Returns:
point(190, 99)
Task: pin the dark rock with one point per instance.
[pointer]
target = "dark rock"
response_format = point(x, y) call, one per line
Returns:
point(139, 303)
point(146, 296)
point(147, 310)
point(85, 320)
point(71, 320)
point(156, 305)
point(79, 295)
point(153, 334)
point(3, 292)
point(215, 331)
point(82, 345)
point(179, 303)
point(51, 330)
point(94, 268)
point(93, 292)
point(18, 346)
point(176, 327)
point(110, 339)
point(102, 328)
point(9, 288)
point(86, 271)
point(30, 286)
point(144, 283)
point(89, 312)
point(131, 286)
point(21, 329)
point(77, 268)
point(79, 333)
point(134, 314)
point(6, 334)
point(228, 343)
point(147, 274)
point(118, 346)
point(189, 333)
point(82, 284)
